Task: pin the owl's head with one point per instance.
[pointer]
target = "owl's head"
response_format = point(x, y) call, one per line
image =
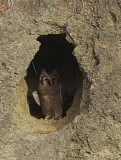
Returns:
point(49, 78)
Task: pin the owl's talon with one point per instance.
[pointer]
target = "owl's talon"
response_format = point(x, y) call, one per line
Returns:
point(57, 117)
point(48, 117)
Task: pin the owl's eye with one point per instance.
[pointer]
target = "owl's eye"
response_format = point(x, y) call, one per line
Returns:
point(55, 80)
point(44, 80)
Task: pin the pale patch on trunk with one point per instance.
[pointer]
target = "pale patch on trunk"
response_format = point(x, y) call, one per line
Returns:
point(36, 97)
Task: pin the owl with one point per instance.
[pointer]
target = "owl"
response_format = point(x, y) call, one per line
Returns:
point(48, 95)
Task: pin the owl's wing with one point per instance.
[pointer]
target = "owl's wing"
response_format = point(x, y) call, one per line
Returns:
point(63, 94)
point(66, 98)
point(36, 97)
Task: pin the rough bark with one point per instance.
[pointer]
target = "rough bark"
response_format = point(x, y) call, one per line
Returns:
point(95, 29)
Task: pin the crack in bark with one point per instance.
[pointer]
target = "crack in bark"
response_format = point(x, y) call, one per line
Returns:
point(118, 4)
point(97, 60)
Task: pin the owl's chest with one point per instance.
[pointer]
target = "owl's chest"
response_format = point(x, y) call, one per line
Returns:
point(50, 101)
point(48, 90)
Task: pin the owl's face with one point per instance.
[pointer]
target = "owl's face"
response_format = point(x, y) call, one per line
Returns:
point(49, 78)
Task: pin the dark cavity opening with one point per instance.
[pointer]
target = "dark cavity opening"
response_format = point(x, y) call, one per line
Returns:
point(55, 53)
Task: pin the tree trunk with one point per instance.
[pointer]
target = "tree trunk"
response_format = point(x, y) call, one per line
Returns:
point(92, 128)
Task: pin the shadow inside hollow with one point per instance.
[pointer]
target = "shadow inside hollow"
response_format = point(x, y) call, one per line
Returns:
point(55, 52)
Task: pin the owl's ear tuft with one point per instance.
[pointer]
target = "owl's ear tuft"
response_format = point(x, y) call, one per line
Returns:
point(36, 97)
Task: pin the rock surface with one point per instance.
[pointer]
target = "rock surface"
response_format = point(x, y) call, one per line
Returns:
point(95, 29)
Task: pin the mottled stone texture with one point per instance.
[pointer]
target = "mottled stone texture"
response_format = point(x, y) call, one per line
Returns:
point(94, 26)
